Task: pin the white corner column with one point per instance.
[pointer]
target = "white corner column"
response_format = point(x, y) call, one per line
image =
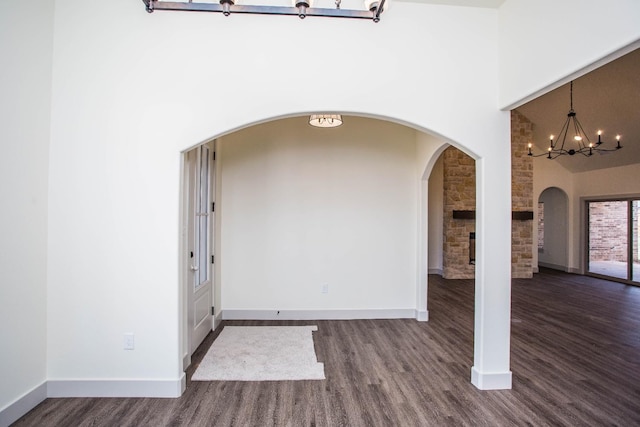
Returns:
point(491, 370)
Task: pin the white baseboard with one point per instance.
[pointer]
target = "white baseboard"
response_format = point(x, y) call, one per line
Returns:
point(491, 380)
point(399, 313)
point(217, 319)
point(437, 271)
point(422, 316)
point(116, 388)
point(19, 407)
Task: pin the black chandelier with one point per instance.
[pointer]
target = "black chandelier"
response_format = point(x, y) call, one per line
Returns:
point(302, 8)
point(584, 145)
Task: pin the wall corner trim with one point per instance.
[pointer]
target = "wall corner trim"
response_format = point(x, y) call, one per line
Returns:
point(422, 316)
point(217, 320)
point(186, 361)
point(491, 380)
point(23, 404)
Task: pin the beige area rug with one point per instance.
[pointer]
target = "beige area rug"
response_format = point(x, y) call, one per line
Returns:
point(261, 353)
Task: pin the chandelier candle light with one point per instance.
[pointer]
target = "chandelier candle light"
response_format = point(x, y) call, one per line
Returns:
point(584, 145)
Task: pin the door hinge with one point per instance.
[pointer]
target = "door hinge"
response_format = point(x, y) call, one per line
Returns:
point(212, 259)
point(212, 311)
point(213, 206)
point(214, 155)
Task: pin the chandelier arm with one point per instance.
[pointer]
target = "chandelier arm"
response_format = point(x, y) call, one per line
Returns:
point(563, 134)
point(576, 131)
point(557, 154)
point(584, 135)
point(606, 149)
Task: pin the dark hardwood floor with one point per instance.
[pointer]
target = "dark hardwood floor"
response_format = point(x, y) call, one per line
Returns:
point(575, 361)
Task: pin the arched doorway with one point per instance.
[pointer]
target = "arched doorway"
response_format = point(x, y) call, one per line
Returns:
point(553, 228)
point(258, 166)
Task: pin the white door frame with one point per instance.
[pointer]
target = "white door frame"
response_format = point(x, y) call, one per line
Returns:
point(190, 260)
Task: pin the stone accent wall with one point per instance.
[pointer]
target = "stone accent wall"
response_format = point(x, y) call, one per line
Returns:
point(459, 194)
point(521, 196)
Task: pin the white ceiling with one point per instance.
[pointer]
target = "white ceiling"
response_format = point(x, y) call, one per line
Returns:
point(607, 98)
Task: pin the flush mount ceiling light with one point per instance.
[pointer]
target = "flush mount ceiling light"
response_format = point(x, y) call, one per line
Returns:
point(302, 8)
point(325, 120)
point(583, 144)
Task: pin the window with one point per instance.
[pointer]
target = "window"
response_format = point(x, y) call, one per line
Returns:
point(540, 226)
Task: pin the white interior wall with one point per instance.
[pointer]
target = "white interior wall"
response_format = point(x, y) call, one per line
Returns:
point(546, 43)
point(127, 102)
point(305, 206)
point(550, 174)
point(26, 30)
point(618, 181)
point(556, 233)
point(610, 182)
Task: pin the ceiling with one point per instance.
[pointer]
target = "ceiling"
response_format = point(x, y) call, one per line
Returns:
point(608, 99)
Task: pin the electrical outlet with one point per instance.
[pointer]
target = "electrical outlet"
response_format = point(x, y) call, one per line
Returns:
point(128, 343)
point(325, 288)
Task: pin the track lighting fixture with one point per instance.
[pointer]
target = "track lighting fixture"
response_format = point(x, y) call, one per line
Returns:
point(302, 8)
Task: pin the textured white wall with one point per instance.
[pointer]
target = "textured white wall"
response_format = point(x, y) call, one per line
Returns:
point(546, 43)
point(26, 30)
point(136, 89)
point(304, 206)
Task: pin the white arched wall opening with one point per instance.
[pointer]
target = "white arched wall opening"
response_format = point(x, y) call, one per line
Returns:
point(132, 111)
point(427, 149)
point(554, 253)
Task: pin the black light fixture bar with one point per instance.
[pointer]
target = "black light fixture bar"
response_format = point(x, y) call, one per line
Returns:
point(153, 5)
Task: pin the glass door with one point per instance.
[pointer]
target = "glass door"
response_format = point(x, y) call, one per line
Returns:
point(613, 238)
point(635, 240)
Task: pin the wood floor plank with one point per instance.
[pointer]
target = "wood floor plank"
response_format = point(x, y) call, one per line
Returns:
point(575, 359)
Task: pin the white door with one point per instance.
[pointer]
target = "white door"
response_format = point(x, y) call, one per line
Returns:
point(200, 163)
